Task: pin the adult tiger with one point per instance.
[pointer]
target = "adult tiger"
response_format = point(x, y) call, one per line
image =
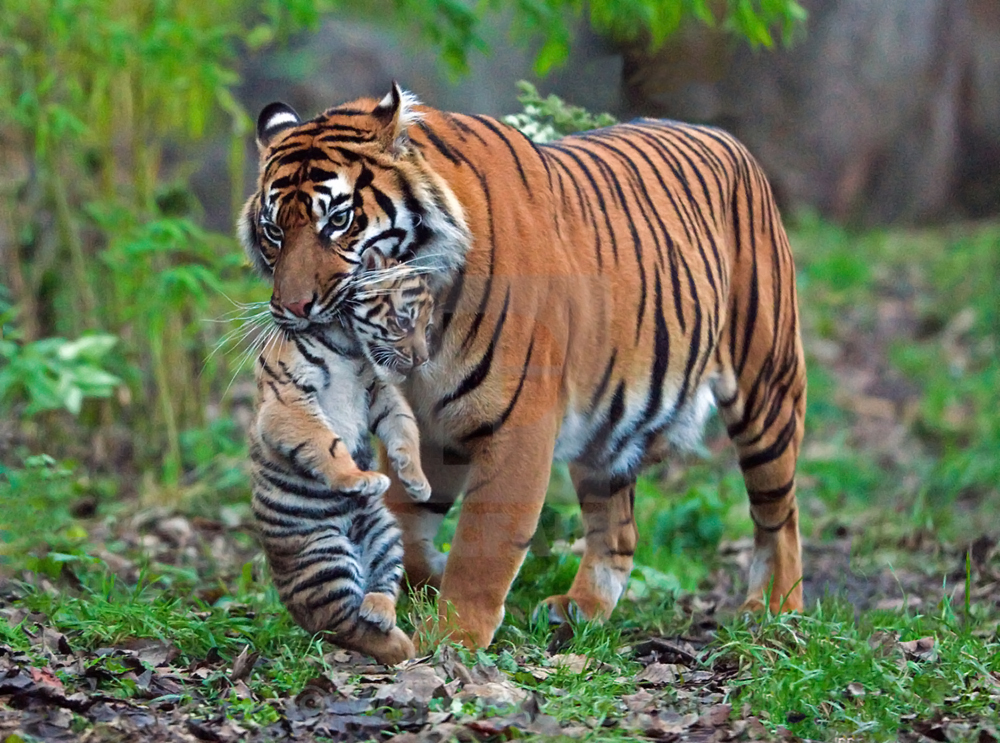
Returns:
point(595, 297)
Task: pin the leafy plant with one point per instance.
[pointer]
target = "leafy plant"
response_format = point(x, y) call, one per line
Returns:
point(547, 119)
point(55, 373)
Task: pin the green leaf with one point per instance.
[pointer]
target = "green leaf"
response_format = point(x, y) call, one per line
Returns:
point(88, 346)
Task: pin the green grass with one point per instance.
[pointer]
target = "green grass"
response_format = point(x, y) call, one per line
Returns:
point(792, 671)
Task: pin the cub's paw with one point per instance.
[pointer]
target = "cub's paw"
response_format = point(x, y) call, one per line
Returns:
point(418, 489)
point(361, 483)
point(396, 648)
point(380, 610)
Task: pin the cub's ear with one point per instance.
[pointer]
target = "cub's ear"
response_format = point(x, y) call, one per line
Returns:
point(372, 260)
point(394, 114)
point(275, 117)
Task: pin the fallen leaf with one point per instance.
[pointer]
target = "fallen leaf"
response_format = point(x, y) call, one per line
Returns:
point(572, 662)
point(419, 684)
point(922, 649)
point(715, 716)
point(641, 701)
point(664, 651)
point(493, 694)
point(657, 674)
point(662, 726)
point(243, 664)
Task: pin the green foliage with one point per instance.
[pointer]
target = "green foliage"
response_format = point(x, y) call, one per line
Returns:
point(547, 119)
point(54, 373)
point(943, 282)
point(37, 527)
point(655, 20)
point(826, 674)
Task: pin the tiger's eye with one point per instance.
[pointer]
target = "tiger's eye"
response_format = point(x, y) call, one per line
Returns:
point(340, 219)
point(272, 232)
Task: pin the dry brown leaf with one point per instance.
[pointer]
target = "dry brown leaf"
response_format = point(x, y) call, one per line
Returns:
point(757, 730)
point(715, 716)
point(418, 685)
point(573, 662)
point(641, 701)
point(922, 649)
point(243, 664)
point(657, 674)
point(662, 726)
point(493, 693)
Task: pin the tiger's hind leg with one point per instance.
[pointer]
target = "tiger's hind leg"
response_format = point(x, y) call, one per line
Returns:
point(607, 508)
point(765, 422)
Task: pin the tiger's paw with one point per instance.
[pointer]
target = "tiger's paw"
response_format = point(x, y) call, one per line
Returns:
point(566, 608)
point(412, 477)
point(380, 610)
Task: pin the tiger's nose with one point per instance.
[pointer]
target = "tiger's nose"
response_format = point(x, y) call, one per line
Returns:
point(300, 309)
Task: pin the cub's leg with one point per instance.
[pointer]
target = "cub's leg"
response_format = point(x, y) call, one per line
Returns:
point(393, 422)
point(294, 429)
point(320, 580)
point(448, 473)
point(317, 573)
point(607, 508)
point(380, 552)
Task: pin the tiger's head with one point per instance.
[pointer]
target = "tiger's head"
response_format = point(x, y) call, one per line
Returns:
point(391, 313)
point(332, 188)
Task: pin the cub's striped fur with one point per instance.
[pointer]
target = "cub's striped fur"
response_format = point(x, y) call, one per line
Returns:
point(333, 547)
point(596, 297)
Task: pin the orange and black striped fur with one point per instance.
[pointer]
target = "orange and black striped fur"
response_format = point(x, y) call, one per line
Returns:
point(334, 549)
point(595, 298)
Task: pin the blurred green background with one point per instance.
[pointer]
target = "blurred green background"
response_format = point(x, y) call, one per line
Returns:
point(125, 142)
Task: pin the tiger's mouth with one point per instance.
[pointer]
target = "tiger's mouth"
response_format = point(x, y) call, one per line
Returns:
point(315, 314)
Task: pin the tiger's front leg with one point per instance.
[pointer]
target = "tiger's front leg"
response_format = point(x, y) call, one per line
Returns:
point(509, 477)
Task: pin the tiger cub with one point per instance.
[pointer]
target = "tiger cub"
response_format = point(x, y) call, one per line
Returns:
point(334, 549)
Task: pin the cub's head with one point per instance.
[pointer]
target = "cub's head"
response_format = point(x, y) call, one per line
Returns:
point(335, 186)
point(392, 315)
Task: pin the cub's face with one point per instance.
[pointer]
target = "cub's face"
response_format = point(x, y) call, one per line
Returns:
point(392, 316)
point(329, 190)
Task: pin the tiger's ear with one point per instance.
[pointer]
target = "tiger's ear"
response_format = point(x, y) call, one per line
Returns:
point(394, 114)
point(276, 117)
point(372, 260)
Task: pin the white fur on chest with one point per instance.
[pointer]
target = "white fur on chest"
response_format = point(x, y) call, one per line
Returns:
point(341, 393)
